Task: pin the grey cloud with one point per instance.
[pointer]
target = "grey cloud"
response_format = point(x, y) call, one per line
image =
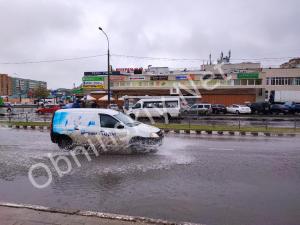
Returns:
point(179, 29)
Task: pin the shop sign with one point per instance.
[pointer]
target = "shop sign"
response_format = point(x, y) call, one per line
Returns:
point(117, 78)
point(185, 77)
point(136, 78)
point(129, 70)
point(101, 73)
point(159, 78)
point(92, 78)
point(93, 87)
point(248, 76)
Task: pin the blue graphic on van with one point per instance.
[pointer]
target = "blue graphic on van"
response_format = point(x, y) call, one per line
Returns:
point(59, 119)
point(91, 123)
point(65, 122)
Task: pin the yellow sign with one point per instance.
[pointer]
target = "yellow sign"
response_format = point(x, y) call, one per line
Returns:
point(93, 87)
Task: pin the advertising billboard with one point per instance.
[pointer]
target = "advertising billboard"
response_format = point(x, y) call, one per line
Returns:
point(93, 82)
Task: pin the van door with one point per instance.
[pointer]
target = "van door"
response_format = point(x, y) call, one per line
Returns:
point(172, 107)
point(153, 108)
point(137, 110)
point(112, 132)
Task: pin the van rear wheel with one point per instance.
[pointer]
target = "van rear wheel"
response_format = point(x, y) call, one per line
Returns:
point(65, 142)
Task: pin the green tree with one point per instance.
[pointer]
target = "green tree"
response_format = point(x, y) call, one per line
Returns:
point(1, 101)
point(41, 92)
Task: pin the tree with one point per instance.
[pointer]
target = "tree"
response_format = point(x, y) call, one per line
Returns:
point(40, 92)
point(1, 101)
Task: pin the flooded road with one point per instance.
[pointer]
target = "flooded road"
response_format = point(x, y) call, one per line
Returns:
point(210, 180)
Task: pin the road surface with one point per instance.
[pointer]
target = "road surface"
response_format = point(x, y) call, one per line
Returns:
point(210, 180)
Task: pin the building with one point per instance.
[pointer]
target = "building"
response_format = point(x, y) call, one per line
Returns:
point(282, 81)
point(224, 83)
point(24, 87)
point(239, 84)
point(293, 63)
point(5, 85)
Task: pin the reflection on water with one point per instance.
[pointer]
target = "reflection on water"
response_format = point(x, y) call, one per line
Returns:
point(202, 179)
point(19, 150)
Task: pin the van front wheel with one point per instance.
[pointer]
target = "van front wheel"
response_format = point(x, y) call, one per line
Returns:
point(65, 142)
point(132, 116)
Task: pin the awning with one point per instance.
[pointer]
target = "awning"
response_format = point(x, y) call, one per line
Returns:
point(88, 98)
point(105, 98)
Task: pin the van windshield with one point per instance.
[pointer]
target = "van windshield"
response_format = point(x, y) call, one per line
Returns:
point(126, 120)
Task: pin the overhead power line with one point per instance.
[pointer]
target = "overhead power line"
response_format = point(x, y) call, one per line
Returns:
point(156, 58)
point(52, 60)
point(138, 57)
point(198, 59)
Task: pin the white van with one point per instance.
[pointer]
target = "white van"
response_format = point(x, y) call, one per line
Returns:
point(155, 107)
point(104, 128)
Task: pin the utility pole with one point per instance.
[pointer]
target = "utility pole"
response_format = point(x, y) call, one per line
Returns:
point(20, 93)
point(108, 66)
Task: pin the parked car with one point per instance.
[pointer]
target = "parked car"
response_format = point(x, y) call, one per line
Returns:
point(260, 107)
point(47, 109)
point(237, 109)
point(199, 109)
point(293, 107)
point(105, 128)
point(217, 108)
point(279, 108)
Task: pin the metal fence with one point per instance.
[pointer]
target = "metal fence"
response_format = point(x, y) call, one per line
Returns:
point(238, 121)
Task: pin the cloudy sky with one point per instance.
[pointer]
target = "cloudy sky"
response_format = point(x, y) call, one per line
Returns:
point(38, 30)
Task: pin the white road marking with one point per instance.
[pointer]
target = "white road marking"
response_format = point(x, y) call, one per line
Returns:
point(222, 149)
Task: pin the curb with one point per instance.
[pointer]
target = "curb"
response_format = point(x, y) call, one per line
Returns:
point(25, 127)
point(229, 133)
point(99, 215)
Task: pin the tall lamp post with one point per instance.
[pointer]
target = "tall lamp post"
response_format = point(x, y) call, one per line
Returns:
point(108, 66)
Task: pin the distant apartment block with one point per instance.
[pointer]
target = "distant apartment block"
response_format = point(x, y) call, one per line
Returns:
point(24, 87)
point(5, 85)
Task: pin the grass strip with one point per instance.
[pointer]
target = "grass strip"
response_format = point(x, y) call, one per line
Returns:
point(227, 128)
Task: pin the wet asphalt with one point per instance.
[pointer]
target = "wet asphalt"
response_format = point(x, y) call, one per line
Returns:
point(210, 180)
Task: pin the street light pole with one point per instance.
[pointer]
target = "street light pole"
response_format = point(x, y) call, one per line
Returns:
point(108, 66)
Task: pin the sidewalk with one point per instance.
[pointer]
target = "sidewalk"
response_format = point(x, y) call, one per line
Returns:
point(14, 214)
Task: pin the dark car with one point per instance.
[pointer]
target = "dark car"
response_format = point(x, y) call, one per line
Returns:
point(260, 107)
point(293, 107)
point(278, 108)
point(217, 108)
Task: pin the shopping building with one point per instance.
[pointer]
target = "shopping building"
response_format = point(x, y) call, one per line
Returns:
point(221, 83)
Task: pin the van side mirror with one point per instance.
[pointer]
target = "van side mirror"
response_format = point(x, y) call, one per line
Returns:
point(120, 126)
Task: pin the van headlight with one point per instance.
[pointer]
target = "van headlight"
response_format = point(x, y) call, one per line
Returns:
point(154, 135)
